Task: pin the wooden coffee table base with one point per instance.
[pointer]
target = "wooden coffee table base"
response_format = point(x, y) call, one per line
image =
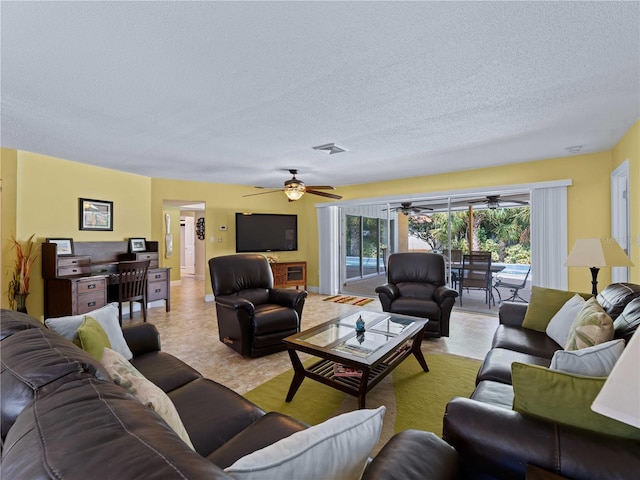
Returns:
point(323, 372)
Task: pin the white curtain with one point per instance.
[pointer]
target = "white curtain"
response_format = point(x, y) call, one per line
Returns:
point(329, 249)
point(549, 237)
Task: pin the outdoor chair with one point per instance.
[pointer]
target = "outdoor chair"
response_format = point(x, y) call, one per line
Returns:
point(476, 275)
point(514, 288)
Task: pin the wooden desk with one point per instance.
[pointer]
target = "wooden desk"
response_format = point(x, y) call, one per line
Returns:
point(85, 281)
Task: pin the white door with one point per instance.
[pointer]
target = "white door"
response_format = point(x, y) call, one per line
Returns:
point(620, 216)
point(189, 246)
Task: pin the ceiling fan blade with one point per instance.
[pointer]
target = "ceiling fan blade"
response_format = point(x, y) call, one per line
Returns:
point(324, 194)
point(262, 193)
point(320, 187)
point(521, 202)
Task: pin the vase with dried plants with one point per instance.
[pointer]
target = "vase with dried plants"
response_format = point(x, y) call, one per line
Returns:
point(26, 254)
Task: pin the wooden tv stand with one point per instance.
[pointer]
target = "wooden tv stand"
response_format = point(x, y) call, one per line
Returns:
point(289, 274)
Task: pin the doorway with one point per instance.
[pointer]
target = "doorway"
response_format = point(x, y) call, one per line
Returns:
point(187, 240)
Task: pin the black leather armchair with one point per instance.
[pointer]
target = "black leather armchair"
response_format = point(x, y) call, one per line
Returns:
point(417, 287)
point(253, 317)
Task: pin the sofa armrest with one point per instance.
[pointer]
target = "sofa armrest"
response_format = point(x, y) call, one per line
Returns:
point(142, 338)
point(500, 442)
point(413, 454)
point(387, 293)
point(286, 297)
point(512, 313)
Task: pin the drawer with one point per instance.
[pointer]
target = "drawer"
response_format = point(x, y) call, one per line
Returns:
point(93, 285)
point(74, 261)
point(156, 291)
point(147, 256)
point(71, 270)
point(91, 301)
point(157, 276)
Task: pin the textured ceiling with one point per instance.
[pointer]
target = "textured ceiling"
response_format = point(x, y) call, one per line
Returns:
point(239, 92)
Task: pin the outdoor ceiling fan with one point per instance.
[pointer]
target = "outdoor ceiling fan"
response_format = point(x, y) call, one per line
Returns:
point(493, 201)
point(294, 189)
point(407, 208)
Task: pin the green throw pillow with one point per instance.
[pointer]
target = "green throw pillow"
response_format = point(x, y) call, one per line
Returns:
point(543, 305)
point(592, 326)
point(563, 398)
point(92, 338)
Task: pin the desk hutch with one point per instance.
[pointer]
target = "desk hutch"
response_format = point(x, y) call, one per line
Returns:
point(87, 280)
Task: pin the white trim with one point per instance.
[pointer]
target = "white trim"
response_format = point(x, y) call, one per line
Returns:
point(620, 220)
point(416, 197)
point(329, 249)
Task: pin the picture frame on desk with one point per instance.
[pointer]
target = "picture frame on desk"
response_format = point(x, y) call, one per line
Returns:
point(95, 214)
point(137, 245)
point(64, 246)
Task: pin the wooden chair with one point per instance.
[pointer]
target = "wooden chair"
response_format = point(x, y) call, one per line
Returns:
point(132, 286)
point(476, 275)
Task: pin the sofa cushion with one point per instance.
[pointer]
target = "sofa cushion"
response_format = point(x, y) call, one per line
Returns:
point(627, 322)
point(591, 327)
point(269, 429)
point(106, 316)
point(92, 338)
point(543, 305)
point(125, 375)
point(165, 370)
point(416, 307)
point(596, 361)
point(95, 429)
point(497, 364)
point(335, 449)
point(212, 413)
point(564, 398)
point(560, 325)
point(616, 296)
point(494, 393)
point(524, 340)
point(34, 360)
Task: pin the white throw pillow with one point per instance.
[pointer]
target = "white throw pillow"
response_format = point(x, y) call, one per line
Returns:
point(106, 316)
point(596, 361)
point(337, 449)
point(149, 394)
point(559, 326)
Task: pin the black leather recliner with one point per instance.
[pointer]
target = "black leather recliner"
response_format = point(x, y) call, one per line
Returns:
point(417, 287)
point(253, 317)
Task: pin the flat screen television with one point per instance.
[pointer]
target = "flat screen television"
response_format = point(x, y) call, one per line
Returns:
point(266, 232)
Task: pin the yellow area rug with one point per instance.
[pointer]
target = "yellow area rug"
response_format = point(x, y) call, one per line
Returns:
point(413, 398)
point(349, 300)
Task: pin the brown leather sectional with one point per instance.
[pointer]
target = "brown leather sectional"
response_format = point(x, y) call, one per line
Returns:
point(62, 417)
point(494, 441)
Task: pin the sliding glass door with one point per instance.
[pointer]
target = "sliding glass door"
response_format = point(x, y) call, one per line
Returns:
point(366, 246)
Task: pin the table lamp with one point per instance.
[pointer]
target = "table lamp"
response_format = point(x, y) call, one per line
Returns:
point(620, 396)
point(595, 253)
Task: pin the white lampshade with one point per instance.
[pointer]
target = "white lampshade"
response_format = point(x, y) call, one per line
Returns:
point(597, 252)
point(620, 396)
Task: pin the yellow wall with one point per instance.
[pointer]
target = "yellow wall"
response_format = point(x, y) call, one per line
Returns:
point(48, 190)
point(588, 198)
point(629, 149)
point(40, 195)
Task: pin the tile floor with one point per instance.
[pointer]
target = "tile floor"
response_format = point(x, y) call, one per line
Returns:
point(190, 332)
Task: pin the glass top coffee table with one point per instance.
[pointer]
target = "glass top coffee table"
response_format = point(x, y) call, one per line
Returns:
point(355, 362)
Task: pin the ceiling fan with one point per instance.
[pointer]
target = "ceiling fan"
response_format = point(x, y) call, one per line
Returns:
point(294, 189)
point(407, 208)
point(493, 201)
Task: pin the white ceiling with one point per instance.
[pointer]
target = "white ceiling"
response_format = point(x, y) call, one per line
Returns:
point(238, 92)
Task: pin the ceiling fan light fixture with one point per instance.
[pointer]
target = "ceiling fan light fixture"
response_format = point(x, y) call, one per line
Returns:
point(294, 191)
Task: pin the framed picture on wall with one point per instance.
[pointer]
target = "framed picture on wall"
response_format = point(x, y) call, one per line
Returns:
point(64, 246)
point(96, 214)
point(137, 245)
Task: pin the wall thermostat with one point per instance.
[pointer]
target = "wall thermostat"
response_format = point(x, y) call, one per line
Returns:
point(223, 227)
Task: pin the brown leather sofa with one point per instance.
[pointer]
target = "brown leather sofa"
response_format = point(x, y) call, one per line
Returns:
point(62, 417)
point(253, 317)
point(494, 441)
point(416, 286)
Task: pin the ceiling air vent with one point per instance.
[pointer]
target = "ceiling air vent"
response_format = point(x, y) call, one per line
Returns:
point(330, 148)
